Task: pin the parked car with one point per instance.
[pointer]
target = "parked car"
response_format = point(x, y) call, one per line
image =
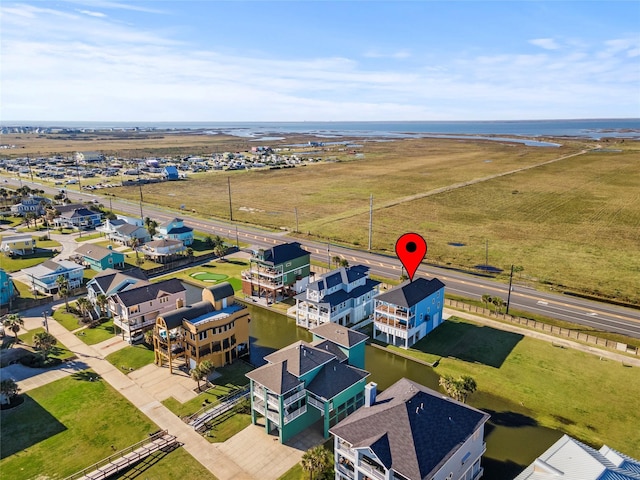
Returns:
point(136, 338)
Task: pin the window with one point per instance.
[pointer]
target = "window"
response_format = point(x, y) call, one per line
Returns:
point(202, 335)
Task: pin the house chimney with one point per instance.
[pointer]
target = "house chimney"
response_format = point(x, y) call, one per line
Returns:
point(179, 303)
point(370, 390)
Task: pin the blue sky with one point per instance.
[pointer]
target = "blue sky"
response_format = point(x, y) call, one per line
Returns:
point(103, 60)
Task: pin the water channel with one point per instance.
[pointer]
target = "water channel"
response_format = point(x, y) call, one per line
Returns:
point(513, 440)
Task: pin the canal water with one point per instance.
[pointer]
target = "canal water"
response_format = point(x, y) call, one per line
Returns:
point(513, 440)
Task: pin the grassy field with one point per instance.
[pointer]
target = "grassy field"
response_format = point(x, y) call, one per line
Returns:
point(59, 350)
point(591, 399)
point(571, 224)
point(13, 264)
point(102, 332)
point(167, 466)
point(227, 425)
point(67, 425)
point(231, 268)
point(232, 377)
point(131, 358)
point(67, 320)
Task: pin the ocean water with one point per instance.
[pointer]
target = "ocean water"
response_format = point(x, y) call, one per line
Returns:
point(590, 128)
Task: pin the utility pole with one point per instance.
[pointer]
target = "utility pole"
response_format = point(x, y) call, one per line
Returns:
point(78, 174)
point(295, 210)
point(370, 219)
point(328, 258)
point(230, 209)
point(140, 187)
point(509, 294)
point(237, 241)
point(30, 171)
point(486, 253)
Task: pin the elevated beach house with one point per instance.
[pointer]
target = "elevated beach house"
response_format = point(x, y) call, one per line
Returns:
point(135, 309)
point(100, 258)
point(112, 281)
point(214, 329)
point(410, 432)
point(307, 382)
point(21, 244)
point(77, 216)
point(280, 271)
point(343, 296)
point(406, 313)
point(44, 277)
point(175, 229)
point(7, 291)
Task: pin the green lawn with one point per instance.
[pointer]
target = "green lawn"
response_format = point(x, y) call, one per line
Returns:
point(227, 425)
point(167, 466)
point(90, 236)
point(13, 264)
point(592, 399)
point(10, 220)
point(232, 377)
point(67, 320)
point(48, 244)
point(131, 357)
point(24, 290)
point(59, 351)
point(102, 332)
point(231, 268)
point(66, 426)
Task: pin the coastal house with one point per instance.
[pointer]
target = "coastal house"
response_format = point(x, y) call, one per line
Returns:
point(162, 251)
point(170, 172)
point(31, 204)
point(110, 225)
point(109, 282)
point(76, 216)
point(282, 270)
point(22, 244)
point(406, 313)
point(128, 233)
point(99, 258)
point(175, 229)
point(568, 458)
point(410, 432)
point(215, 329)
point(135, 309)
point(44, 277)
point(309, 382)
point(7, 291)
point(343, 296)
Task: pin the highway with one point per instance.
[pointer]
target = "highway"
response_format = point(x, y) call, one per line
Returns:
point(597, 315)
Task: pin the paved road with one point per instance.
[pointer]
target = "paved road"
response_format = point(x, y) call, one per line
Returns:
point(562, 307)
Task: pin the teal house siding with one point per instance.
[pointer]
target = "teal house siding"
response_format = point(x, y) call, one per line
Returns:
point(6, 288)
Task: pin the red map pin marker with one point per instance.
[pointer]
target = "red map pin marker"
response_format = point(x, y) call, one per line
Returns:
point(411, 249)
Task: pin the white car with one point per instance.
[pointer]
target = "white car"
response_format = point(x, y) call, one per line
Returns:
point(136, 338)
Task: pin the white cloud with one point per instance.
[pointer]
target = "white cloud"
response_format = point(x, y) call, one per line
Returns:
point(546, 43)
point(399, 55)
point(92, 13)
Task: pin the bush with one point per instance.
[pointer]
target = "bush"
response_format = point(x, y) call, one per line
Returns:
point(36, 361)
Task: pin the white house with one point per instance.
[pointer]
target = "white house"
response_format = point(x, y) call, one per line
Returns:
point(162, 250)
point(110, 281)
point(43, 277)
point(30, 204)
point(568, 459)
point(175, 229)
point(343, 296)
point(410, 432)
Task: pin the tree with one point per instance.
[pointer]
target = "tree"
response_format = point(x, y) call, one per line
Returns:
point(518, 269)
point(208, 242)
point(459, 388)
point(151, 225)
point(148, 337)
point(486, 299)
point(336, 260)
point(220, 249)
point(189, 251)
point(344, 263)
point(9, 389)
point(28, 217)
point(44, 342)
point(498, 302)
point(101, 302)
point(84, 306)
point(63, 290)
point(13, 322)
point(197, 375)
point(207, 368)
point(316, 460)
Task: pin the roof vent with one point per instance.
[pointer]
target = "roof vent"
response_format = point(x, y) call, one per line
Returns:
point(418, 411)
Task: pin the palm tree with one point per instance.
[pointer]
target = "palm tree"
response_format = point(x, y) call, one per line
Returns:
point(84, 305)
point(459, 388)
point(63, 290)
point(207, 368)
point(336, 260)
point(197, 375)
point(208, 242)
point(148, 337)
point(221, 250)
point(344, 263)
point(450, 386)
point(28, 217)
point(13, 322)
point(486, 299)
point(467, 386)
point(316, 460)
point(101, 302)
point(498, 302)
point(44, 342)
point(9, 389)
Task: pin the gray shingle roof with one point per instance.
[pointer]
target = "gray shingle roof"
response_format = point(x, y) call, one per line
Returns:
point(109, 278)
point(146, 293)
point(334, 378)
point(164, 242)
point(409, 293)
point(282, 253)
point(276, 377)
point(330, 347)
point(301, 356)
point(95, 252)
point(423, 428)
point(343, 336)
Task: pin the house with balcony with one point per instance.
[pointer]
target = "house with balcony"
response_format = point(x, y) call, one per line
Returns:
point(99, 258)
point(343, 296)
point(307, 383)
point(44, 277)
point(135, 309)
point(31, 204)
point(76, 216)
point(410, 432)
point(7, 290)
point(214, 329)
point(280, 271)
point(162, 251)
point(127, 233)
point(22, 244)
point(568, 458)
point(109, 282)
point(406, 313)
point(175, 229)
